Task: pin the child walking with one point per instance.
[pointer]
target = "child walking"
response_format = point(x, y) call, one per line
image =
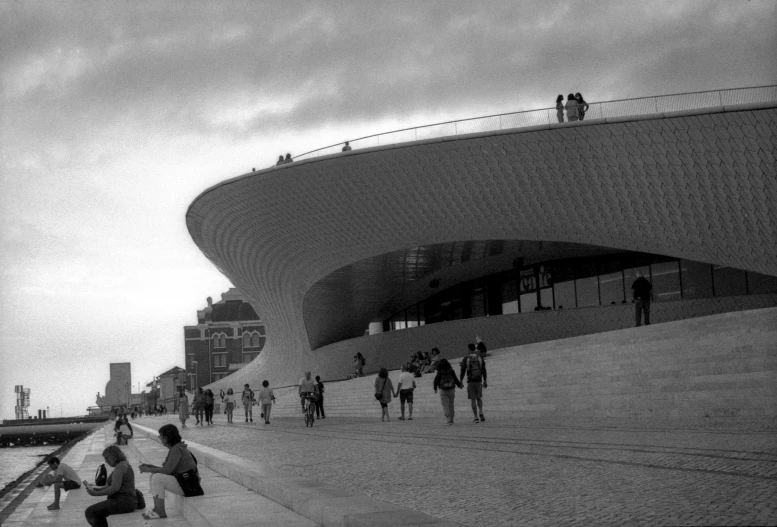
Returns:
point(229, 401)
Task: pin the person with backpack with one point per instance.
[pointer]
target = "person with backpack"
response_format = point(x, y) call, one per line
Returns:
point(475, 367)
point(446, 381)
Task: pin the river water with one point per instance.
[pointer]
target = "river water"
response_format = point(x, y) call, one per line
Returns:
point(16, 461)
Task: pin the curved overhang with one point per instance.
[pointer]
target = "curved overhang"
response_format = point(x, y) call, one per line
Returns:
point(698, 185)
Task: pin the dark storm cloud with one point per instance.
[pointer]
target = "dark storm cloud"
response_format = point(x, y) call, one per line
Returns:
point(185, 65)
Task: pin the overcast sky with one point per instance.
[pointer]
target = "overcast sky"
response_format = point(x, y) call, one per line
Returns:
point(116, 115)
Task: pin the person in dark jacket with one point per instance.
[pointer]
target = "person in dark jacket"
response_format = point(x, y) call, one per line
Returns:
point(209, 403)
point(446, 381)
point(642, 293)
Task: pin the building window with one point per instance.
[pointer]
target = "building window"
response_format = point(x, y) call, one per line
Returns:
point(611, 288)
point(249, 356)
point(220, 340)
point(666, 281)
point(728, 281)
point(219, 360)
point(255, 340)
point(587, 290)
point(246, 340)
point(697, 279)
point(761, 283)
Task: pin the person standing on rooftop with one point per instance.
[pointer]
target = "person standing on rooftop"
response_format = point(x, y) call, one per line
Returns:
point(571, 106)
point(288, 159)
point(347, 147)
point(560, 108)
point(280, 160)
point(582, 106)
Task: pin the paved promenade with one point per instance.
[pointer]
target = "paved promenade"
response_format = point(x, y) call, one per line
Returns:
point(529, 471)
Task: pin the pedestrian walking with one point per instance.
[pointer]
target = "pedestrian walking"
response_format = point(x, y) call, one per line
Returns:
point(571, 106)
point(359, 363)
point(198, 405)
point(209, 403)
point(446, 381)
point(560, 108)
point(266, 398)
point(582, 106)
point(405, 389)
point(248, 402)
point(229, 402)
point(320, 399)
point(383, 391)
point(642, 294)
point(475, 368)
point(183, 408)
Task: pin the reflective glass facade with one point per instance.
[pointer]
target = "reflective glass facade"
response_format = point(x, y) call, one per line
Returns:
point(580, 282)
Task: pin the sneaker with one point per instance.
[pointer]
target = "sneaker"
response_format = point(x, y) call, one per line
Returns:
point(401, 418)
point(450, 423)
point(252, 420)
point(409, 418)
point(482, 417)
point(246, 420)
point(476, 420)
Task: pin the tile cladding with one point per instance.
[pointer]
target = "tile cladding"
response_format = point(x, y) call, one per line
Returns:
point(694, 185)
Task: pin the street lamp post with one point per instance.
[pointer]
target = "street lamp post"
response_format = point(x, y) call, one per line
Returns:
point(196, 382)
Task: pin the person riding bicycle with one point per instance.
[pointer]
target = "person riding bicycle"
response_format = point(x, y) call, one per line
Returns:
point(307, 386)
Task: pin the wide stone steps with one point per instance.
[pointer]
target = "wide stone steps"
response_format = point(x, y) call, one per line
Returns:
point(720, 365)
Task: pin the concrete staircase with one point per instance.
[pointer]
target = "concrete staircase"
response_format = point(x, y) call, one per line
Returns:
point(720, 365)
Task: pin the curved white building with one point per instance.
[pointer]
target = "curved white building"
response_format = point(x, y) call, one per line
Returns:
point(432, 242)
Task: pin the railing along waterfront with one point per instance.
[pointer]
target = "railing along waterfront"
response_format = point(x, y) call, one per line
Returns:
point(546, 116)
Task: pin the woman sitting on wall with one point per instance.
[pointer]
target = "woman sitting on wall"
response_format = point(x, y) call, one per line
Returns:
point(120, 489)
point(178, 475)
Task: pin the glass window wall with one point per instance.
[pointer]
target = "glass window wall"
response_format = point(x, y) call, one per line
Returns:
point(565, 295)
point(729, 281)
point(577, 284)
point(587, 291)
point(666, 281)
point(611, 287)
point(697, 279)
point(761, 283)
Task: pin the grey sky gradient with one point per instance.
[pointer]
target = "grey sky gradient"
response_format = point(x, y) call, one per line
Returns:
point(115, 115)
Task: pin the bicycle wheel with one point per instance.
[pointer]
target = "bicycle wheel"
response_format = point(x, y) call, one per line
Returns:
point(311, 415)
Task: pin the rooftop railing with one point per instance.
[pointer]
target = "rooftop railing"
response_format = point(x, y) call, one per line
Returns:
point(546, 116)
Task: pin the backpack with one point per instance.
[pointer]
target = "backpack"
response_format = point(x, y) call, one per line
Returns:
point(101, 476)
point(474, 369)
point(447, 381)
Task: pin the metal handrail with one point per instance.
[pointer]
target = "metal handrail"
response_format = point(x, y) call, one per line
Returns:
point(546, 116)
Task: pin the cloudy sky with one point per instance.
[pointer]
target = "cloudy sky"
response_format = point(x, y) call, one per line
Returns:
point(115, 115)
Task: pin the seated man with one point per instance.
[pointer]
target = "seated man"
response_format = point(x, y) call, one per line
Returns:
point(62, 476)
point(306, 386)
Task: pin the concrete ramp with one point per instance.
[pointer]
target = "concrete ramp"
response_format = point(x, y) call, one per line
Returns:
point(715, 366)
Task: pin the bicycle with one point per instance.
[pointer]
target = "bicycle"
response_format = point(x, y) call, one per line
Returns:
point(310, 409)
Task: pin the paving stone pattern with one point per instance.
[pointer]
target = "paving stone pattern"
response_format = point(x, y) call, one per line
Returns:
point(532, 471)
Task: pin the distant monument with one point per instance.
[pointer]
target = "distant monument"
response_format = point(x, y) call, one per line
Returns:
point(117, 391)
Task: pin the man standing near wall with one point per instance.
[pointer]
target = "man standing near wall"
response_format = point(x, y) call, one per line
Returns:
point(642, 293)
point(475, 367)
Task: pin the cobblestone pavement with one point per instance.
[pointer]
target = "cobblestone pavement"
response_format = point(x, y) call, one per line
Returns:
point(530, 471)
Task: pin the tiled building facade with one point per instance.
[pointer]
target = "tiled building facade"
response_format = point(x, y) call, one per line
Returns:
point(228, 335)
